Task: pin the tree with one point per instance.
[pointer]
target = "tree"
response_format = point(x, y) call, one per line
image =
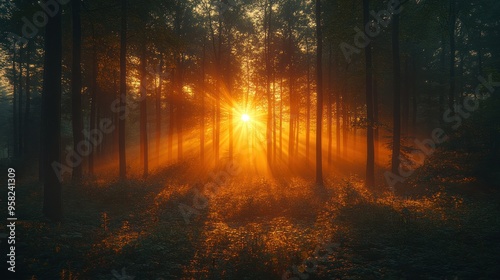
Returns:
point(396, 134)
point(15, 127)
point(93, 97)
point(308, 100)
point(453, 20)
point(319, 86)
point(20, 121)
point(144, 112)
point(123, 89)
point(269, 70)
point(370, 153)
point(76, 85)
point(51, 104)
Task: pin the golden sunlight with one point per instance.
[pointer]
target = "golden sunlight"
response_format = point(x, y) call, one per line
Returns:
point(245, 117)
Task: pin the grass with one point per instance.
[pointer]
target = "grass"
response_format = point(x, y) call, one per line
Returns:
point(258, 228)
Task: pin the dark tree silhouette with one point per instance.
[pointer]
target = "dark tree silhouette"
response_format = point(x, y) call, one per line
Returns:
point(123, 89)
point(319, 86)
point(51, 104)
point(76, 84)
point(453, 20)
point(396, 134)
point(143, 113)
point(370, 153)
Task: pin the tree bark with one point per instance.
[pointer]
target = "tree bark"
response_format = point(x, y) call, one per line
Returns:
point(15, 127)
point(268, 84)
point(202, 96)
point(319, 101)
point(144, 113)
point(93, 101)
point(375, 122)
point(51, 103)
point(308, 102)
point(76, 86)
point(20, 121)
point(337, 123)
point(158, 111)
point(123, 90)
point(396, 134)
point(453, 17)
point(27, 109)
point(330, 103)
point(370, 153)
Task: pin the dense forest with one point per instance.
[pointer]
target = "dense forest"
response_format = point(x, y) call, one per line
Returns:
point(257, 139)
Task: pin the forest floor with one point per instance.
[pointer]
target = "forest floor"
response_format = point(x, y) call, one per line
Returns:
point(258, 228)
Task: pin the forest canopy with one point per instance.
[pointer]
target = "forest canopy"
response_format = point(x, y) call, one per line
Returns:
point(379, 94)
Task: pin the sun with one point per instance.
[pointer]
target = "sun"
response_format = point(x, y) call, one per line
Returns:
point(245, 117)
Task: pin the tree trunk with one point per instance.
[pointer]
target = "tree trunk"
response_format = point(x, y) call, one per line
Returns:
point(93, 101)
point(123, 89)
point(330, 103)
point(453, 16)
point(20, 104)
point(202, 96)
point(171, 119)
point(396, 135)
point(291, 130)
point(143, 113)
point(229, 86)
point(27, 109)
point(15, 143)
point(413, 85)
point(76, 86)
point(319, 101)
point(274, 141)
point(308, 102)
point(337, 123)
point(268, 86)
point(376, 141)
point(443, 80)
point(405, 101)
point(158, 112)
point(180, 107)
point(281, 117)
point(345, 125)
point(51, 103)
point(370, 153)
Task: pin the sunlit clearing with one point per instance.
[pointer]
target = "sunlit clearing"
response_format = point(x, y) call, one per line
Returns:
point(245, 118)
